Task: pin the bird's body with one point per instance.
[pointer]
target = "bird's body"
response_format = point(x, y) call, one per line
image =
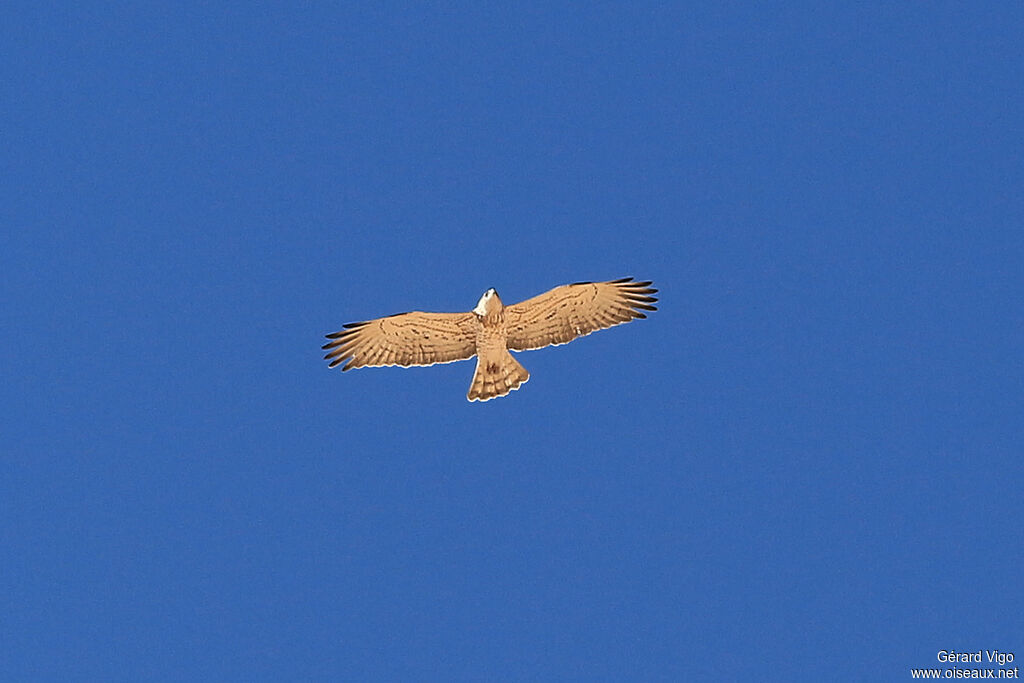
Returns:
point(497, 372)
point(490, 331)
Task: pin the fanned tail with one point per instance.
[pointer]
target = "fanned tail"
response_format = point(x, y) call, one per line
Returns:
point(497, 373)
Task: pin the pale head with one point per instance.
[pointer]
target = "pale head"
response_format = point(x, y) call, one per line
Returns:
point(489, 303)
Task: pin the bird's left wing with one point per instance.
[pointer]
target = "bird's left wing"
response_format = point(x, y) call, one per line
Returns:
point(415, 338)
point(564, 313)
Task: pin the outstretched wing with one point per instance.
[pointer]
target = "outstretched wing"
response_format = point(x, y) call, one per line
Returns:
point(570, 311)
point(414, 338)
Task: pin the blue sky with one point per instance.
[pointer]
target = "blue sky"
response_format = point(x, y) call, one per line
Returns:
point(805, 466)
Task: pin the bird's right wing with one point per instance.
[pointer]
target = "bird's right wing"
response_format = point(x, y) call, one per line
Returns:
point(564, 313)
point(414, 338)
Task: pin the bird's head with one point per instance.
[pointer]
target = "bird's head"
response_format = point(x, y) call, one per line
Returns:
point(489, 303)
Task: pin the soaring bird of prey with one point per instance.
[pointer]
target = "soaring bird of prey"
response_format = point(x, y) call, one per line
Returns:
point(490, 331)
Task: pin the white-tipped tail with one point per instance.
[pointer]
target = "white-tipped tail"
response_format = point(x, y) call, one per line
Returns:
point(497, 373)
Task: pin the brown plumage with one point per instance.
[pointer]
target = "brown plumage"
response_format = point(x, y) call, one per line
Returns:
point(490, 330)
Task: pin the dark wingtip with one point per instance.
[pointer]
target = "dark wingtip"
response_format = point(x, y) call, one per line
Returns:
point(349, 326)
point(340, 341)
point(640, 301)
point(621, 280)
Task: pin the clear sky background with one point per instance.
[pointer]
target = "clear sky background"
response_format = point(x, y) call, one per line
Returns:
point(806, 465)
